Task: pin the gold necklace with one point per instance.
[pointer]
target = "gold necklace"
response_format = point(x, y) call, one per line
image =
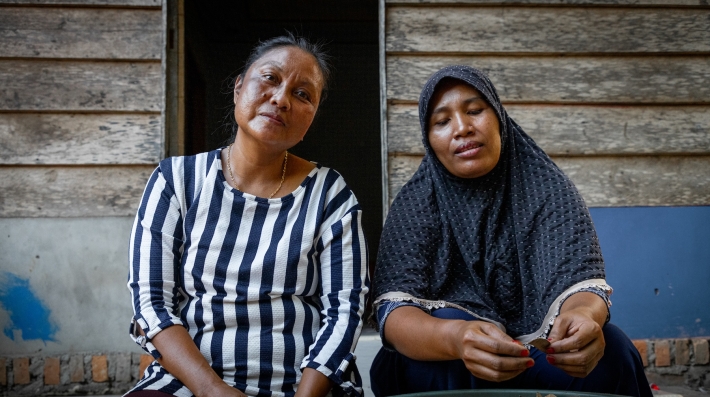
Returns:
point(231, 176)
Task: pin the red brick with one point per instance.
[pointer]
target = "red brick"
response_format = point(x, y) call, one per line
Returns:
point(700, 347)
point(76, 369)
point(146, 359)
point(642, 347)
point(99, 368)
point(51, 371)
point(682, 352)
point(21, 371)
point(3, 373)
point(663, 353)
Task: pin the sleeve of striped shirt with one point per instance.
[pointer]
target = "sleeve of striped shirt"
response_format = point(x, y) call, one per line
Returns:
point(344, 284)
point(154, 255)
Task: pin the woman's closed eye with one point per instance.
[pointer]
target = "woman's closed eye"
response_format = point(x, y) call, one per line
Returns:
point(442, 122)
point(475, 112)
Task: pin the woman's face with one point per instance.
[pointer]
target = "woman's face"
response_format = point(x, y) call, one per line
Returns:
point(276, 99)
point(463, 130)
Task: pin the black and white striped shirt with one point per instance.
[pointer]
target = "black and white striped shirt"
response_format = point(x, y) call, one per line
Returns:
point(265, 287)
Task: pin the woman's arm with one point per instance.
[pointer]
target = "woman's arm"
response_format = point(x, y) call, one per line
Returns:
point(576, 336)
point(182, 359)
point(155, 248)
point(313, 383)
point(487, 352)
point(343, 285)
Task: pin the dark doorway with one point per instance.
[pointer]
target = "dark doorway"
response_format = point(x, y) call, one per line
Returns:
point(346, 133)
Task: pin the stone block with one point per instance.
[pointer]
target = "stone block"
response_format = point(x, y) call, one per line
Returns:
point(99, 369)
point(3, 373)
point(700, 349)
point(146, 359)
point(642, 347)
point(52, 371)
point(76, 369)
point(120, 367)
point(21, 371)
point(682, 352)
point(663, 353)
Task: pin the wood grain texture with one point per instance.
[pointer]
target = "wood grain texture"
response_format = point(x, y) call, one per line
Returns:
point(80, 86)
point(53, 32)
point(680, 79)
point(71, 191)
point(613, 181)
point(89, 3)
point(671, 3)
point(42, 138)
point(546, 30)
point(583, 130)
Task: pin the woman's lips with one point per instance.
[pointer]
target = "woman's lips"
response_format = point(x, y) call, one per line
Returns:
point(274, 117)
point(468, 149)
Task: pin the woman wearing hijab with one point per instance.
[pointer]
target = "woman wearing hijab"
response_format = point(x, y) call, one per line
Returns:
point(248, 265)
point(488, 251)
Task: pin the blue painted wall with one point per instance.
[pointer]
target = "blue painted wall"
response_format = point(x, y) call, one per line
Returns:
point(658, 262)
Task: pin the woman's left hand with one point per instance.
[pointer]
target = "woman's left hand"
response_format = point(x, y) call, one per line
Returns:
point(577, 340)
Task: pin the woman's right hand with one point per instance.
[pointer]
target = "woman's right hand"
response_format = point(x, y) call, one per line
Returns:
point(489, 353)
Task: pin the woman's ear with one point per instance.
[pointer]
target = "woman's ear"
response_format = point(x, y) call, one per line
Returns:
point(237, 86)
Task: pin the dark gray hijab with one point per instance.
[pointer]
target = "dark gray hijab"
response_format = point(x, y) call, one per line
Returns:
point(503, 246)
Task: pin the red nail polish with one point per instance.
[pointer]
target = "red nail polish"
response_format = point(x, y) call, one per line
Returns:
point(549, 339)
point(530, 363)
point(551, 360)
point(550, 350)
point(524, 353)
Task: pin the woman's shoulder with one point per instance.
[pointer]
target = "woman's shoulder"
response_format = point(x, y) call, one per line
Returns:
point(179, 171)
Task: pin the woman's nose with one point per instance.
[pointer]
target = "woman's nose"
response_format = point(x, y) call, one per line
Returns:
point(462, 126)
point(280, 99)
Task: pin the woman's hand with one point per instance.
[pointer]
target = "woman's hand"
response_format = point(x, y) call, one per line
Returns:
point(490, 354)
point(576, 336)
point(487, 352)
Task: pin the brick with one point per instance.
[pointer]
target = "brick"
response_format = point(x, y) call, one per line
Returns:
point(21, 371)
point(682, 352)
point(51, 371)
point(3, 373)
point(642, 347)
point(146, 359)
point(76, 369)
point(663, 353)
point(700, 348)
point(99, 369)
point(121, 367)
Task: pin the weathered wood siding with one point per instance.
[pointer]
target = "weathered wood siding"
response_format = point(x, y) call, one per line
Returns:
point(617, 92)
point(81, 96)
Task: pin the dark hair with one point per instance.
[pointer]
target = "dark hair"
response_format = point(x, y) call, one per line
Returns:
point(289, 40)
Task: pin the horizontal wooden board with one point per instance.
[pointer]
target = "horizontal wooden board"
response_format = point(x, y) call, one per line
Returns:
point(546, 30)
point(671, 3)
point(45, 138)
point(31, 192)
point(679, 79)
point(583, 130)
point(80, 86)
point(53, 32)
point(89, 3)
point(613, 181)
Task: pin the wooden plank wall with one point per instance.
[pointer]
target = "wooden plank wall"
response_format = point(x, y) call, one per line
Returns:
point(617, 92)
point(81, 95)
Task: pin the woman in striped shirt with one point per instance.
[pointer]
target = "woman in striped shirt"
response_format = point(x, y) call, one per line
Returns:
point(247, 264)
